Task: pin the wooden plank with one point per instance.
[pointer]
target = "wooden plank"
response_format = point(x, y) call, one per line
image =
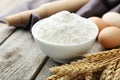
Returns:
point(5, 32)
point(44, 73)
point(50, 63)
point(20, 57)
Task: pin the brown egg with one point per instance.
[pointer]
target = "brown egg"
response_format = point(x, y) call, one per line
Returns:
point(112, 19)
point(110, 37)
point(99, 22)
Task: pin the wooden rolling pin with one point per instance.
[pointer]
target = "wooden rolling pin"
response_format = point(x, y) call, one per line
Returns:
point(46, 10)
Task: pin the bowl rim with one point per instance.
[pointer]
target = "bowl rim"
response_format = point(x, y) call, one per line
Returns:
point(87, 41)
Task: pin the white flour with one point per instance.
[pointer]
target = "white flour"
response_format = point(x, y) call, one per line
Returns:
point(65, 28)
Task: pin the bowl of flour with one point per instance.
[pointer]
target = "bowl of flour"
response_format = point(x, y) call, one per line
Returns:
point(64, 35)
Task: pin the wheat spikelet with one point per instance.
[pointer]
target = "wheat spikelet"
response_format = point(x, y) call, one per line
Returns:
point(108, 73)
point(56, 77)
point(74, 69)
point(53, 77)
point(89, 76)
point(91, 63)
point(101, 56)
point(117, 72)
point(83, 66)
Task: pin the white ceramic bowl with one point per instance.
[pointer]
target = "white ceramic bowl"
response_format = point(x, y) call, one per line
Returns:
point(64, 53)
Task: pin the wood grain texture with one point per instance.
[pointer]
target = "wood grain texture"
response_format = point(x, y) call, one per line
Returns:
point(5, 32)
point(45, 72)
point(19, 57)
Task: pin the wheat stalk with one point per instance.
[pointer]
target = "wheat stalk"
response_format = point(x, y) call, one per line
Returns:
point(91, 63)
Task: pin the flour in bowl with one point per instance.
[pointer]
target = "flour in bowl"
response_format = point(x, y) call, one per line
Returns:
point(65, 28)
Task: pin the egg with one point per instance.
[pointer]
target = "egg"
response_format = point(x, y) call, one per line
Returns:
point(112, 19)
point(99, 22)
point(110, 37)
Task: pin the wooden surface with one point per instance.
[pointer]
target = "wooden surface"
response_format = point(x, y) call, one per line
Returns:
point(44, 73)
point(20, 58)
point(5, 32)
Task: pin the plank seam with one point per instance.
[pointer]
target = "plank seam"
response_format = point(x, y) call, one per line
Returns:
point(39, 68)
point(7, 37)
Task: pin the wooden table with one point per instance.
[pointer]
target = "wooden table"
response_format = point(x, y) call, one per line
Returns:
point(20, 58)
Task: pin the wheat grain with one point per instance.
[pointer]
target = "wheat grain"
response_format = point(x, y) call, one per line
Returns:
point(105, 61)
point(56, 77)
point(101, 56)
point(89, 76)
point(109, 72)
point(117, 72)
